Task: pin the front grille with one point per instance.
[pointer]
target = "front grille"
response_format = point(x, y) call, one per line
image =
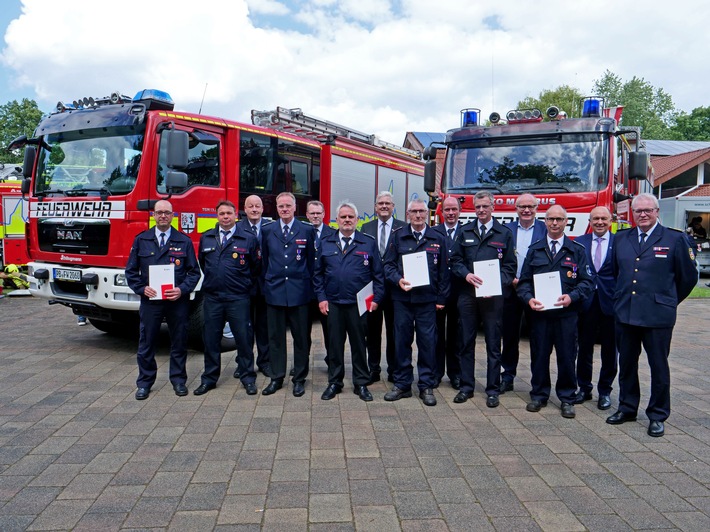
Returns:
point(77, 237)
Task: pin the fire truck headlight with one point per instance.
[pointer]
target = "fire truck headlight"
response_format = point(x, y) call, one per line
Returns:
point(120, 279)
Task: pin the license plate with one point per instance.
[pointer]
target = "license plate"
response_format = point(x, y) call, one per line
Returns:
point(61, 274)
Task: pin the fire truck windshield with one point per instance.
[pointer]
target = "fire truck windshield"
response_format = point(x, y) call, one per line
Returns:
point(571, 163)
point(89, 163)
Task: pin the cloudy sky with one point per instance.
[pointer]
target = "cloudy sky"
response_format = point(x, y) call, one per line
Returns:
point(379, 66)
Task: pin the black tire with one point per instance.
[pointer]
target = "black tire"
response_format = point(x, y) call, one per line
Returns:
point(196, 324)
point(127, 327)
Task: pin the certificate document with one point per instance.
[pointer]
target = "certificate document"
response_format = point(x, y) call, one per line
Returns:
point(416, 269)
point(161, 277)
point(365, 298)
point(489, 271)
point(548, 289)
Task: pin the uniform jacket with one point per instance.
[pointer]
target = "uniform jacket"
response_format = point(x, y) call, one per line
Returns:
point(244, 223)
point(456, 283)
point(178, 250)
point(340, 276)
point(539, 231)
point(402, 242)
point(370, 228)
point(288, 263)
point(575, 274)
point(650, 282)
point(604, 280)
point(496, 244)
point(231, 270)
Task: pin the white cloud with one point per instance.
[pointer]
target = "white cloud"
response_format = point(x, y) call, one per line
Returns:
point(267, 7)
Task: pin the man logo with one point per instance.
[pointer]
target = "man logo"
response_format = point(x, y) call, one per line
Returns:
point(68, 235)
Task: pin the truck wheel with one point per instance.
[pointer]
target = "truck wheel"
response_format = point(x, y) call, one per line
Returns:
point(195, 326)
point(127, 328)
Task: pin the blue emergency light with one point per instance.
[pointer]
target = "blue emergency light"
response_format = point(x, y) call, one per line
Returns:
point(469, 117)
point(592, 107)
point(155, 99)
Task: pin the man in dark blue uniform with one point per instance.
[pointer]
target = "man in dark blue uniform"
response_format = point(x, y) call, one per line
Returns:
point(484, 239)
point(415, 306)
point(288, 254)
point(381, 229)
point(655, 270)
point(596, 319)
point(448, 328)
point(526, 230)
point(556, 326)
point(347, 262)
point(230, 260)
point(162, 245)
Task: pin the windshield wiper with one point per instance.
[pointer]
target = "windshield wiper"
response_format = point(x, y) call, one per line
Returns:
point(475, 186)
point(104, 193)
point(542, 186)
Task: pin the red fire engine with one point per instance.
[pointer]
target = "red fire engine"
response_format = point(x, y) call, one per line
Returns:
point(13, 218)
point(96, 168)
point(578, 163)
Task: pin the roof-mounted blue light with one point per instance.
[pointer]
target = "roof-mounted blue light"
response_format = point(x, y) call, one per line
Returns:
point(592, 107)
point(155, 99)
point(469, 117)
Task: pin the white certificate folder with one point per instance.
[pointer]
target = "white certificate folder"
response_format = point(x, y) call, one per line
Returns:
point(161, 277)
point(548, 289)
point(489, 271)
point(416, 269)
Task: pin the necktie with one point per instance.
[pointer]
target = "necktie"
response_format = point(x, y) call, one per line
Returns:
point(224, 237)
point(598, 254)
point(451, 232)
point(286, 229)
point(553, 248)
point(417, 235)
point(162, 239)
point(346, 239)
point(383, 239)
point(483, 231)
point(253, 230)
point(643, 239)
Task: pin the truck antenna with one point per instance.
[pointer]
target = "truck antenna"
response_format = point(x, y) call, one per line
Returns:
point(203, 100)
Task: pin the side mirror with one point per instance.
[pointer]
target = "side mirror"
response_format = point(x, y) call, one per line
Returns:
point(430, 176)
point(25, 186)
point(429, 153)
point(175, 180)
point(638, 164)
point(178, 149)
point(28, 162)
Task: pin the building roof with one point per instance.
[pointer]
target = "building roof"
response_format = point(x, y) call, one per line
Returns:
point(673, 147)
point(700, 190)
point(668, 167)
point(426, 138)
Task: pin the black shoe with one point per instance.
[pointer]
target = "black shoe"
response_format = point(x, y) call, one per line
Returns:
point(330, 392)
point(374, 377)
point(292, 372)
point(395, 394)
point(250, 387)
point(180, 389)
point(462, 397)
point(142, 393)
point(581, 396)
point(456, 383)
point(506, 386)
point(273, 387)
point(298, 389)
point(363, 393)
point(492, 401)
point(535, 406)
point(567, 410)
point(236, 372)
point(604, 402)
point(427, 397)
point(265, 371)
point(204, 388)
point(620, 417)
point(656, 429)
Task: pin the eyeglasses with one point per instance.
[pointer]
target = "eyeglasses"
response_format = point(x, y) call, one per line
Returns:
point(558, 220)
point(163, 213)
point(644, 211)
point(482, 206)
point(526, 207)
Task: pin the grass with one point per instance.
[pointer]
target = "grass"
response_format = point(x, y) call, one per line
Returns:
point(701, 291)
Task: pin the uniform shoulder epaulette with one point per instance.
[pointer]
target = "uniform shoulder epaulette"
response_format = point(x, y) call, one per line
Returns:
point(266, 221)
point(365, 234)
point(395, 229)
point(306, 222)
point(468, 225)
point(577, 243)
point(676, 230)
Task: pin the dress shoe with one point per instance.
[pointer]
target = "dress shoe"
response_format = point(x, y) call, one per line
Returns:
point(265, 371)
point(180, 389)
point(204, 388)
point(492, 401)
point(292, 372)
point(462, 397)
point(427, 397)
point(298, 389)
point(506, 386)
point(656, 429)
point(535, 406)
point(363, 393)
point(250, 387)
point(142, 393)
point(604, 402)
point(456, 383)
point(395, 394)
point(273, 387)
point(330, 392)
point(581, 396)
point(237, 372)
point(374, 377)
point(620, 417)
point(567, 410)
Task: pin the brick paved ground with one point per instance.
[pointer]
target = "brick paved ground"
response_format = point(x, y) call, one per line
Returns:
point(79, 452)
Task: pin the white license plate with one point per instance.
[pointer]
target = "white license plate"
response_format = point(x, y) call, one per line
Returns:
point(61, 274)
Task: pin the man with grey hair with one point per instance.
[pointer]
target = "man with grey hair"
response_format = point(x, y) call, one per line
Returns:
point(415, 306)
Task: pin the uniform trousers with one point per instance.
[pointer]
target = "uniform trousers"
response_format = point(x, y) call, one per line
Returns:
point(345, 320)
point(296, 318)
point(448, 342)
point(592, 323)
point(513, 311)
point(259, 331)
point(384, 312)
point(559, 332)
point(408, 319)
point(314, 314)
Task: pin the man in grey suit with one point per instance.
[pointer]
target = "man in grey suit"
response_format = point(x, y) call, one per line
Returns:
point(381, 228)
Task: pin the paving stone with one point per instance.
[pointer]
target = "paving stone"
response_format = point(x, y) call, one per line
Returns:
point(370, 493)
point(104, 521)
point(152, 512)
point(241, 509)
point(292, 520)
point(638, 513)
point(415, 505)
point(60, 515)
point(553, 515)
point(328, 508)
point(328, 481)
point(287, 495)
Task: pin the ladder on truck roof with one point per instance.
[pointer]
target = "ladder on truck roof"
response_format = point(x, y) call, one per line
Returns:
point(295, 121)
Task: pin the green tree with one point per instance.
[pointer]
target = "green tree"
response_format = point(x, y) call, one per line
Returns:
point(693, 126)
point(564, 97)
point(17, 118)
point(646, 106)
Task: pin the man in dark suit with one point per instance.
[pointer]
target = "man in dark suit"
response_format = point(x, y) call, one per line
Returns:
point(258, 325)
point(484, 239)
point(655, 270)
point(596, 319)
point(288, 254)
point(162, 245)
point(230, 260)
point(448, 341)
point(381, 229)
point(555, 326)
point(415, 306)
point(526, 230)
point(347, 262)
